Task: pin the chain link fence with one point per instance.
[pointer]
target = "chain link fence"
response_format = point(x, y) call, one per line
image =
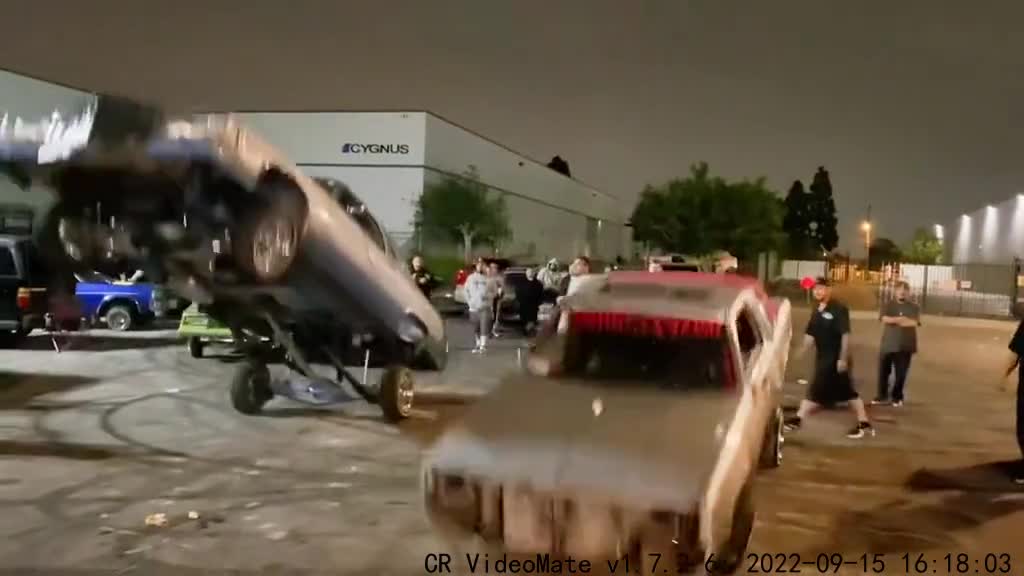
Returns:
point(980, 290)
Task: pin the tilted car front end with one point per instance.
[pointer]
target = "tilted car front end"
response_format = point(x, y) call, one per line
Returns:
point(522, 520)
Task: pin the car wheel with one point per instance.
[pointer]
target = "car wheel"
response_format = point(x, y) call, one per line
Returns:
point(396, 393)
point(250, 387)
point(730, 556)
point(119, 318)
point(771, 455)
point(267, 237)
point(195, 347)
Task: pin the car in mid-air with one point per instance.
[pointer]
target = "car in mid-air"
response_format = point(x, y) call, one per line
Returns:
point(207, 207)
point(650, 408)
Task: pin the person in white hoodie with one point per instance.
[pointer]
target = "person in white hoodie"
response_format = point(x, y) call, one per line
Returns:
point(480, 298)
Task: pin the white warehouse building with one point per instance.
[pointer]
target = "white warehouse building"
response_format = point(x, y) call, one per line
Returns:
point(388, 159)
point(993, 234)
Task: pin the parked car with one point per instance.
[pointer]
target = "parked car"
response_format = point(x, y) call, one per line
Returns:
point(651, 410)
point(23, 290)
point(122, 305)
point(199, 330)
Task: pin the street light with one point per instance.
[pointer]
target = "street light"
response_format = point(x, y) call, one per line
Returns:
point(866, 227)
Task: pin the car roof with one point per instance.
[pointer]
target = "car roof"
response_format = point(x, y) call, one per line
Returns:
point(681, 295)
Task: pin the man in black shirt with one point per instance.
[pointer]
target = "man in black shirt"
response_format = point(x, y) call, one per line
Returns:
point(424, 280)
point(1017, 347)
point(900, 317)
point(829, 331)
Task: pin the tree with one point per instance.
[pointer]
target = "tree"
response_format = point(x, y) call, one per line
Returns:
point(925, 248)
point(700, 213)
point(796, 223)
point(560, 166)
point(459, 209)
point(822, 210)
point(883, 250)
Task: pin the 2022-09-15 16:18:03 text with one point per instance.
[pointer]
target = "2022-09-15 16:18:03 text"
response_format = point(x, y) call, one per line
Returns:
point(754, 563)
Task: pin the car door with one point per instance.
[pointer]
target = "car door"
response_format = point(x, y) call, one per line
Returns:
point(10, 281)
point(742, 436)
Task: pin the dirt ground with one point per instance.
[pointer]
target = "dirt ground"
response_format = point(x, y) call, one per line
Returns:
point(97, 438)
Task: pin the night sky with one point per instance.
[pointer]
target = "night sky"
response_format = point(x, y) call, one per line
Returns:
point(914, 106)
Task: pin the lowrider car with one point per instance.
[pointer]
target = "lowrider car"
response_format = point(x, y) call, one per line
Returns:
point(207, 205)
point(638, 427)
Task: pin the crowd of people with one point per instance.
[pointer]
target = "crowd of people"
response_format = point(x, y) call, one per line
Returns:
point(484, 292)
point(828, 331)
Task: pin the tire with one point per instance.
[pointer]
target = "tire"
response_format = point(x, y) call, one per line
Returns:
point(730, 557)
point(195, 347)
point(119, 317)
point(396, 393)
point(250, 387)
point(771, 454)
point(267, 236)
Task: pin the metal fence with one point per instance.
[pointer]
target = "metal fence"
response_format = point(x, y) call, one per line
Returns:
point(983, 290)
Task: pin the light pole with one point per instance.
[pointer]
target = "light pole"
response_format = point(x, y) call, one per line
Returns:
point(866, 227)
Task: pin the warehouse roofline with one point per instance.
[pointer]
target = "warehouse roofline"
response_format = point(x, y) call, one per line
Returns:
point(608, 195)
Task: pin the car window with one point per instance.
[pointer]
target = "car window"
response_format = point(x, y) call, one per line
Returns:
point(669, 355)
point(38, 273)
point(749, 336)
point(7, 264)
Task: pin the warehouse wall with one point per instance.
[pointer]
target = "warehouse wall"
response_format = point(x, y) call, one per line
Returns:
point(560, 216)
point(991, 235)
point(321, 138)
point(33, 100)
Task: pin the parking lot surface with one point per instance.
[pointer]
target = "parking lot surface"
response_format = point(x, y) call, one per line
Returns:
point(115, 429)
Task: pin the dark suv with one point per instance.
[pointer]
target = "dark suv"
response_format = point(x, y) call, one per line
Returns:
point(23, 282)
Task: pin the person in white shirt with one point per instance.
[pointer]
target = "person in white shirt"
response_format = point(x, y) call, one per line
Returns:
point(580, 268)
point(479, 299)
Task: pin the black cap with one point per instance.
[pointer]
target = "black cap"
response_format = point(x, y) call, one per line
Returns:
point(822, 281)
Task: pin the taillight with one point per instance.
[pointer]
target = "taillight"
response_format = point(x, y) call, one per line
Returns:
point(460, 277)
point(24, 298)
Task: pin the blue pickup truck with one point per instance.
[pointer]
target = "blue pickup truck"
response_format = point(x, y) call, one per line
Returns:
point(122, 305)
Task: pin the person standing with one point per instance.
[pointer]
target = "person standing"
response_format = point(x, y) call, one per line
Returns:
point(478, 299)
point(1017, 350)
point(424, 280)
point(529, 297)
point(580, 267)
point(900, 319)
point(496, 281)
point(829, 332)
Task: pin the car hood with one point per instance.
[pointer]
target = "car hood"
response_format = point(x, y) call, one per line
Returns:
point(644, 448)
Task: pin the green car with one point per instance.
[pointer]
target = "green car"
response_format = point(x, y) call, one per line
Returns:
point(199, 329)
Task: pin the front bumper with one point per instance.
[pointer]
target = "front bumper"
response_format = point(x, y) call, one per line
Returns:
point(523, 521)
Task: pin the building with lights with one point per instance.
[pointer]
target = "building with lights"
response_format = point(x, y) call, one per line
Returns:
point(993, 234)
point(389, 159)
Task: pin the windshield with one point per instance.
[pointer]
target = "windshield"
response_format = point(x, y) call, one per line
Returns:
point(657, 353)
point(92, 278)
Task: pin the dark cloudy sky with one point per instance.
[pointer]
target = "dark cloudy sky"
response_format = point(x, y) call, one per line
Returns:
point(914, 106)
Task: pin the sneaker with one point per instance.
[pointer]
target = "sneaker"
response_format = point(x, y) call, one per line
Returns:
point(792, 424)
point(880, 402)
point(897, 403)
point(860, 430)
point(477, 350)
point(1019, 479)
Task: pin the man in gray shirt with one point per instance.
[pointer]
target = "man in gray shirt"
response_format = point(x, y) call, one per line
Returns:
point(900, 319)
